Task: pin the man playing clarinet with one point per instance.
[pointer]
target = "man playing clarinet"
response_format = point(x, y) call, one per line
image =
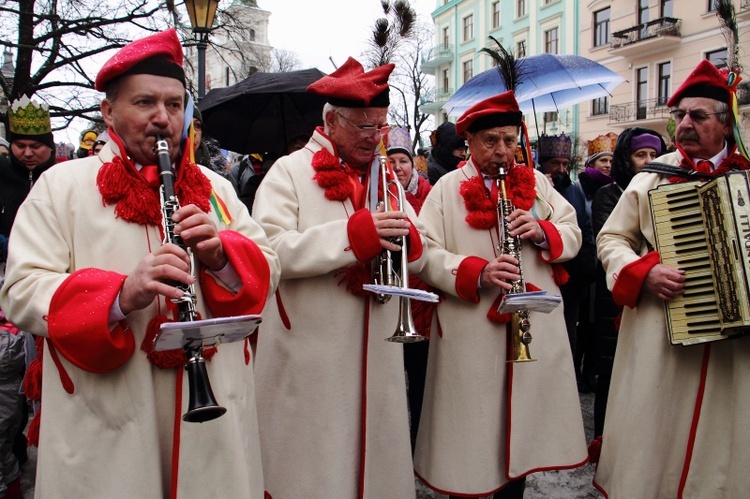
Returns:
point(88, 273)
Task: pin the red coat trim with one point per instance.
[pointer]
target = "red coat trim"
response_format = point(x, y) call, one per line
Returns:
point(78, 321)
point(467, 278)
point(252, 268)
point(553, 239)
point(414, 246)
point(628, 283)
point(363, 236)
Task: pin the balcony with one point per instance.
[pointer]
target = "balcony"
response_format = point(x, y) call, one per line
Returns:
point(655, 36)
point(434, 57)
point(441, 97)
point(645, 112)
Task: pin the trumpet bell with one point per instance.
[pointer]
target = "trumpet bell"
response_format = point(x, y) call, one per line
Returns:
point(405, 330)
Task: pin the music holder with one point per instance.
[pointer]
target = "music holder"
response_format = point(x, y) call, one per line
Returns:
point(205, 332)
point(535, 301)
point(411, 293)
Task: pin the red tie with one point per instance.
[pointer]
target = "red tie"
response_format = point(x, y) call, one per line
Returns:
point(151, 174)
point(704, 166)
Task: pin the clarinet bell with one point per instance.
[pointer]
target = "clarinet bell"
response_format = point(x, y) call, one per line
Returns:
point(202, 406)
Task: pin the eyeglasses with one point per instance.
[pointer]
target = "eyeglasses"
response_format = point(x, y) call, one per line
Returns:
point(367, 129)
point(695, 116)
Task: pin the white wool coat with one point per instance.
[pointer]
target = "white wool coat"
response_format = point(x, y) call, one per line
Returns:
point(119, 433)
point(676, 422)
point(485, 420)
point(331, 390)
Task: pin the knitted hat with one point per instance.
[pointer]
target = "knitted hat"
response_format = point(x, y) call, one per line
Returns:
point(498, 110)
point(351, 86)
point(645, 140)
point(445, 137)
point(704, 81)
point(554, 146)
point(399, 141)
point(88, 135)
point(159, 54)
point(29, 120)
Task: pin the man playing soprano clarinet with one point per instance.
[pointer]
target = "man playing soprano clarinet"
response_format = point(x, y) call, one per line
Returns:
point(331, 390)
point(88, 272)
point(487, 423)
point(676, 422)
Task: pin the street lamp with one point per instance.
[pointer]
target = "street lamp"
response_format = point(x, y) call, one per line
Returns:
point(201, 14)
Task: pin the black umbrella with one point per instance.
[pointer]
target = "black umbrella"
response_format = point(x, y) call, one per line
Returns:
point(263, 113)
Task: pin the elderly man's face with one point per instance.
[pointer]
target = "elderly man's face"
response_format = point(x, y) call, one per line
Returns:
point(31, 153)
point(357, 146)
point(146, 106)
point(699, 132)
point(492, 148)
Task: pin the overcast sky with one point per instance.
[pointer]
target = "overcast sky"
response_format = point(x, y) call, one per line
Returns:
point(317, 30)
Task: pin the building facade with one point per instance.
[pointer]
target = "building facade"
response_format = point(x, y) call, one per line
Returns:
point(653, 44)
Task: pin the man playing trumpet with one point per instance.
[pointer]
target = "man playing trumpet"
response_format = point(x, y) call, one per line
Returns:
point(88, 272)
point(331, 390)
point(487, 423)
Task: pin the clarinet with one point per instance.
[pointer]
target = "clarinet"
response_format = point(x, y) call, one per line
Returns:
point(520, 335)
point(202, 406)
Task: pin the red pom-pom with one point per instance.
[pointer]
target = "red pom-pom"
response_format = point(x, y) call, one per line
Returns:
point(33, 433)
point(595, 450)
point(482, 212)
point(32, 380)
point(330, 175)
point(559, 274)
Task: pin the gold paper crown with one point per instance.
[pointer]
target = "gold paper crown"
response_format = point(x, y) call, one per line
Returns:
point(550, 146)
point(603, 143)
point(26, 117)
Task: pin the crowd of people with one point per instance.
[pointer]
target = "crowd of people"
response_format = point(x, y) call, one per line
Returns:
point(95, 267)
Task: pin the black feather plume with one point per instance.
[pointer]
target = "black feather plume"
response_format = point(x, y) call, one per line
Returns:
point(725, 13)
point(506, 64)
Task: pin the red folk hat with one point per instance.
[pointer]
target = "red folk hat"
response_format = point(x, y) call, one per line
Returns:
point(498, 110)
point(351, 86)
point(704, 81)
point(159, 54)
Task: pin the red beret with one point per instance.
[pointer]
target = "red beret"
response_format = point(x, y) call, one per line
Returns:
point(498, 110)
point(159, 54)
point(351, 86)
point(704, 81)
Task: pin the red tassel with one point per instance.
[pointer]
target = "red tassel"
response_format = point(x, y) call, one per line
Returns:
point(494, 315)
point(559, 274)
point(33, 433)
point(168, 359)
point(32, 380)
point(595, 450)
point(355, 276)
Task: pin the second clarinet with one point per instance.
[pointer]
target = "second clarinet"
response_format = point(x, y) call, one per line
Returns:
point(202, 406)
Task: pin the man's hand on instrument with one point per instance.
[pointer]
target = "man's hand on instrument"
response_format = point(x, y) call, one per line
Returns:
point(524, 225)
point(152, 277)
point(500, 272)
point(665, 282)
point(390, 224)
point(198, 232)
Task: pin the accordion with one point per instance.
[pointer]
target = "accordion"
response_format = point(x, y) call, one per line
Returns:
point(704, 229)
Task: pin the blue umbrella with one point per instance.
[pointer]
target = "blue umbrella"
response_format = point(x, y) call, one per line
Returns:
point(546, 82)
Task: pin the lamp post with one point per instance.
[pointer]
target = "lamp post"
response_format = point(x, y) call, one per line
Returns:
point(201, 14)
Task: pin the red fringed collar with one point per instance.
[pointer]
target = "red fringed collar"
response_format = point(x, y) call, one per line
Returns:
point(331, 176)
point(121, 184)
point(733, 161)
point(521, 188)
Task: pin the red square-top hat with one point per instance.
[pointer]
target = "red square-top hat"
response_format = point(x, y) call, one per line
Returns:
point(352, 86)
point(498, 110)
point(705, 81)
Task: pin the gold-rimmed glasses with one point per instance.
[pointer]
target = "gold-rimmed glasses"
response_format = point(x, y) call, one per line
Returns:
point(382, 129)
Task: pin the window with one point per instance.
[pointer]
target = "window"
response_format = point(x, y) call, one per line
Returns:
point(642, 11)
point(712, 5)
point(667, 8)
point(600, 106)
point(468, 70)
point(446, 80)
point(641, 92)
point(469, 27)
point(520, 8)
point(551, 41)
point(251, 35)
point(601, 27)
point(665, 76)
point(495, 14)
point(521, 49)
point(446, 37)
point(718, 58)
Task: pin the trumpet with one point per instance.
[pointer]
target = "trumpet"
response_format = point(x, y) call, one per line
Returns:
point(387, 278)
point(520, 327)
point(202, 405)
